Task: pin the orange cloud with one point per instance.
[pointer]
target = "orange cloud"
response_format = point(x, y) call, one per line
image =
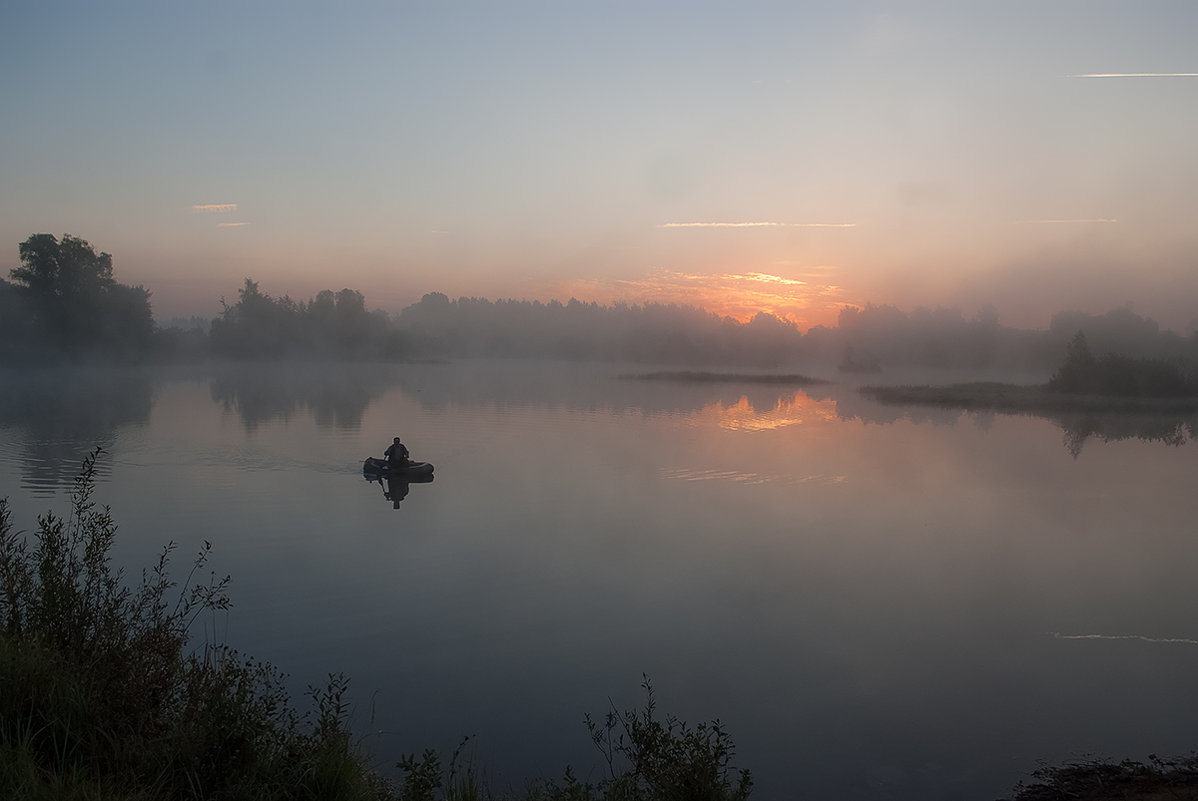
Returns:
point(1055, 222)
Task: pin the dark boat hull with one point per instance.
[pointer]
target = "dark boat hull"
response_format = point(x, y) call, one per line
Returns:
point(412, 470)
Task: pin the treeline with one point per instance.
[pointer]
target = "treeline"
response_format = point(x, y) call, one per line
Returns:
point(64, 304)
point(651, 332)
point(869, 338)
point(337, 325)
point(331, 325)
point(944, 337)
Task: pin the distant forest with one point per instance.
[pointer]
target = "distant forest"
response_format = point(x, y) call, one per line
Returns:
point(63, 304)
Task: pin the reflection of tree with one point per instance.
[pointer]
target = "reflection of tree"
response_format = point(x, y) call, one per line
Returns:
point(68, 412)
point(1166, 423)
point(336, 395)
point(1170, 430)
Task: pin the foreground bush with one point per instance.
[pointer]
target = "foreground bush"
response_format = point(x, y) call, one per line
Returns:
point(102, 697)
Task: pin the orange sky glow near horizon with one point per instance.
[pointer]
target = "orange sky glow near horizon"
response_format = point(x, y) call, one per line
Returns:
point(741, 296)
point(792, 159)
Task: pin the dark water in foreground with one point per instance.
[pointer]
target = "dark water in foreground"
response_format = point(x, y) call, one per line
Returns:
point(878, 603)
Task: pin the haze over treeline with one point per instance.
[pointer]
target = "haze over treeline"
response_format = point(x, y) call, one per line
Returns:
point(64, 303)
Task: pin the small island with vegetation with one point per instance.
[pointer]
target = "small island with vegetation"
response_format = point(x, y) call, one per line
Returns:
point(1112, 383)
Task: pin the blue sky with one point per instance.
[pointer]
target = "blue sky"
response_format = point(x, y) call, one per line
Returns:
point(790, 157)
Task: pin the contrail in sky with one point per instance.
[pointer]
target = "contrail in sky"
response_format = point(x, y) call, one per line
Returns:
point(217, 207)
point(1137, 75)
point(1051, 222)
point(755, 225)
point(231, 225)
point(1181, 640)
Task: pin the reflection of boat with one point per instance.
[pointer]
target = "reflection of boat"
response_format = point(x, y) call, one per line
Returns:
point(413, 471)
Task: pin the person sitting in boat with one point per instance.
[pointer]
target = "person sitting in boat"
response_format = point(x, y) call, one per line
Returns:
point(396, 455)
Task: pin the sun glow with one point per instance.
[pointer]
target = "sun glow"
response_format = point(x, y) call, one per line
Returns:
point(808, 298)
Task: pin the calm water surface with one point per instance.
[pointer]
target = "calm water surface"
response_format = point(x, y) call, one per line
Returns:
point(877, 602)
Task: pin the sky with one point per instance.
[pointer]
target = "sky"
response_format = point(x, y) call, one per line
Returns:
point(787, 157)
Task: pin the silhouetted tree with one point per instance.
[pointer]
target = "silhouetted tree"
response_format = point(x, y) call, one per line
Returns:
point(71, 305)
point(50, 268)
point(256, 326)
point(1120, 375)
point(1078, 373)
point(330, 325)
point(338, 324)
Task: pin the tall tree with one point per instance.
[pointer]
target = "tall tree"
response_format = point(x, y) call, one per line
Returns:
point(74, 306)
point(66, 269)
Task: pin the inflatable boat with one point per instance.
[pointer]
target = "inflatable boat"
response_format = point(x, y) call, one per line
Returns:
point(379, 467)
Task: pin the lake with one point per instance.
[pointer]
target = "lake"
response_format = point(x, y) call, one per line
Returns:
point(877, 602)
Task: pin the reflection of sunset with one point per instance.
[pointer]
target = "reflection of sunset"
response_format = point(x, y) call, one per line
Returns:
point(684, 474)
point(742, 416)
point(808, 299)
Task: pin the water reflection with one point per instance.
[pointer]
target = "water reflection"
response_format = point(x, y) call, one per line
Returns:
point(336, 395)
point(1077, 428)
point(63, 413)
point(750, 477)
point(892, 588)
point(395, 489)
point(766, 413)
point(575, 388)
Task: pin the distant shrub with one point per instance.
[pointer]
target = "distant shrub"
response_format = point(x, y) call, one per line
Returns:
point(1121, 376)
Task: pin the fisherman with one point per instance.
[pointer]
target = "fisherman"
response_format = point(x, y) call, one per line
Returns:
point(396, 455)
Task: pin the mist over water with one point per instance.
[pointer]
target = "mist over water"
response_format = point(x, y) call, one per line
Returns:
point(879, 602)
